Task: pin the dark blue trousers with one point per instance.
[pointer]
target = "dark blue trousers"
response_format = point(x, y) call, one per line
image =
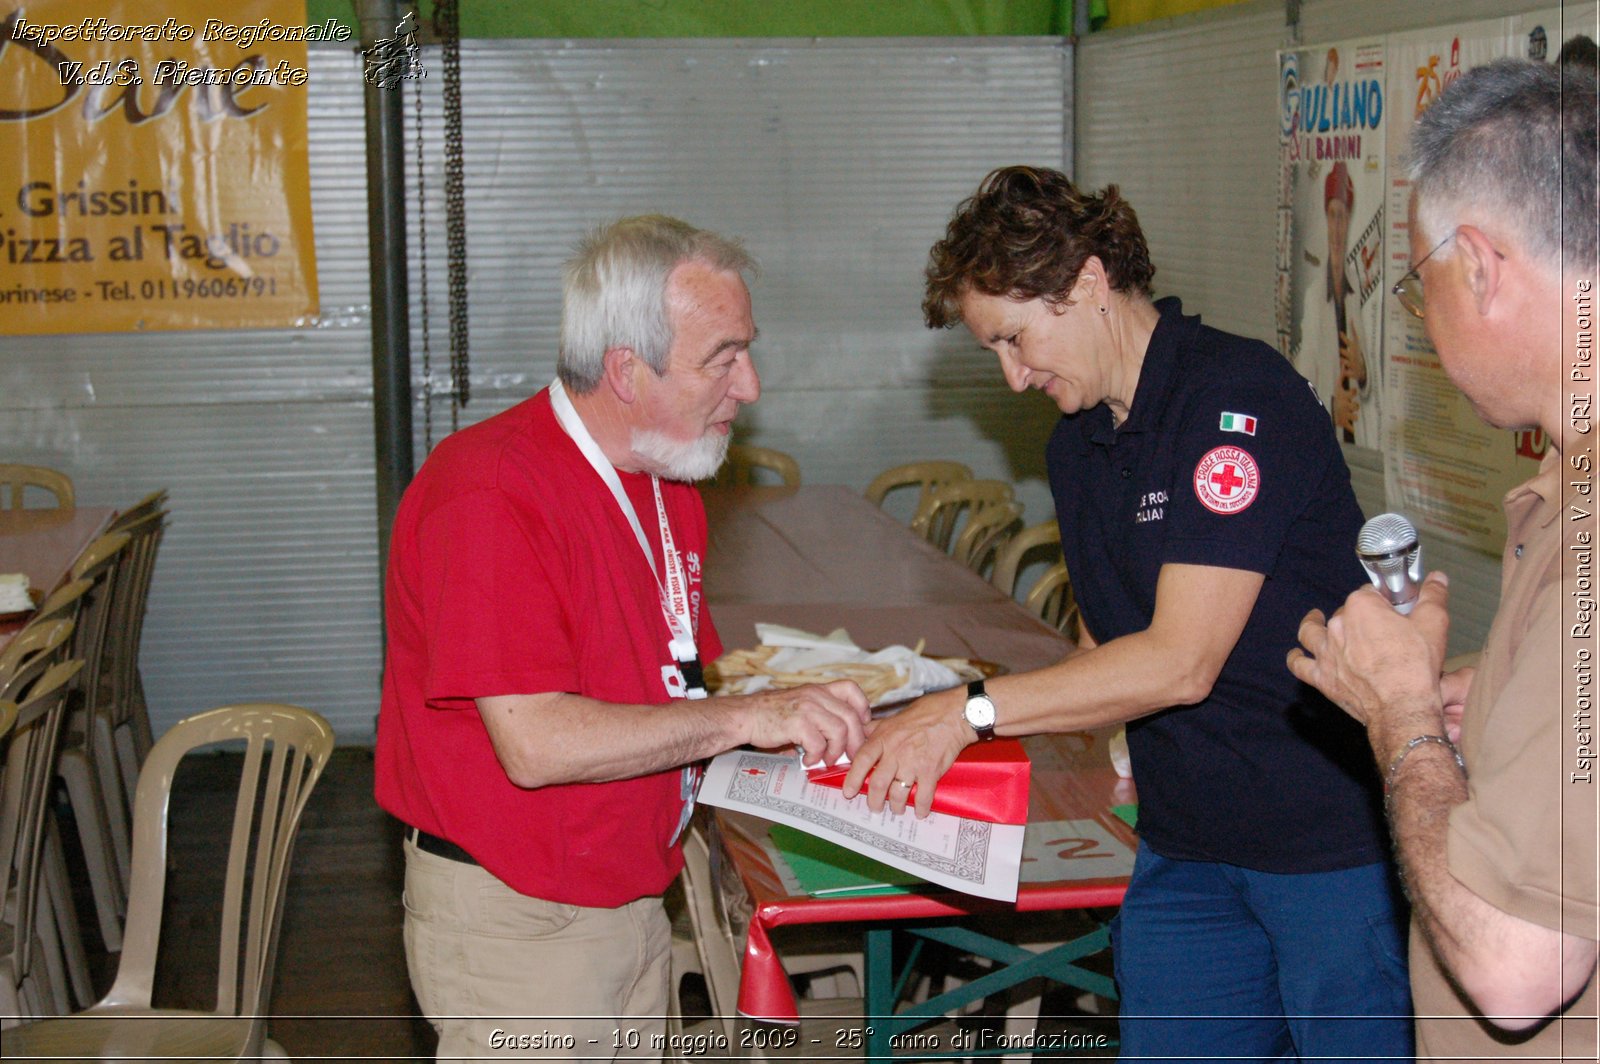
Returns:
point(1214, 960)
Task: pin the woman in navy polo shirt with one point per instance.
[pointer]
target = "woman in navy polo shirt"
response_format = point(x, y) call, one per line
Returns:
point(1205, 507)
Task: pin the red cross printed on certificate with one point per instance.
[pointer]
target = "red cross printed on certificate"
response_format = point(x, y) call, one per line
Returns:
point(1227, 480)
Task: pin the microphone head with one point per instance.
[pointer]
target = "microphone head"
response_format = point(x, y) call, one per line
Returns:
point(1392, 557)
point(1386, 535)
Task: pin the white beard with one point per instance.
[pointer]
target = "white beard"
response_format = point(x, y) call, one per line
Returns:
point(666, 457)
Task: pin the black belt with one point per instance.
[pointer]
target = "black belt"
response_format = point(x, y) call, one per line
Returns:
point(440, 847)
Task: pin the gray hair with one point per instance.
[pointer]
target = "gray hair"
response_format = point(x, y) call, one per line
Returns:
point(615, 291)
point(1516, 139)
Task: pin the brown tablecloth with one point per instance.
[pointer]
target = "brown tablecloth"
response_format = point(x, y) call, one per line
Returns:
point(819, 558)
point(823, 557)
point(44, 544)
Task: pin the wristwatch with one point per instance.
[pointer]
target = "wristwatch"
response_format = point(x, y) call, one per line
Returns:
point(979, 711)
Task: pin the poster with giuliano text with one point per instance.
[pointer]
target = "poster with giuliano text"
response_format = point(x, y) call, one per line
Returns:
point(156, 171)
point(1333, 107)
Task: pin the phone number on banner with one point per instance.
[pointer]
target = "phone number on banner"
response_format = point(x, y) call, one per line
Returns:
point(191, 288)
point(148, 290)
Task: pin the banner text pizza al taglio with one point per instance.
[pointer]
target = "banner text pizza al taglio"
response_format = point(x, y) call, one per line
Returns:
point(158, 176)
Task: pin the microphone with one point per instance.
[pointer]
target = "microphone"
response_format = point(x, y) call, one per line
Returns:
point(1392, 557)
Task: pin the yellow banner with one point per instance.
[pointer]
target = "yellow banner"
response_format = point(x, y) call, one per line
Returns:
point(153, 169)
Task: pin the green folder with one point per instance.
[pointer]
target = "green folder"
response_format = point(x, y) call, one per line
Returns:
point(824, 869)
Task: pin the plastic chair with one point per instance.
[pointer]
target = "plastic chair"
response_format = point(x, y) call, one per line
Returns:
point(152, 503)
point(122, 734)
point(38, 647)
point(286, 748)
point(936, 519)
point(926, 475)
point(64, 601)
point(16, 479)
point(720, 955)
point(33, 650)
point(1014, 555)
point(985, 534)
point(744, 460)
point(27, 988)
point(100, 860)
point(1052, 601)
point(101, 815)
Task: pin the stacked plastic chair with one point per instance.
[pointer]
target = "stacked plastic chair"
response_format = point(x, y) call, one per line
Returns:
point(1034, 543)
point(108, 732)
point(924, 476)
point(101, 816)
point(1052, 601)
point(941, 511)
point(124, 737)
point(146, 523)
point(45, 642)
point(985, 535)
point(36, 971)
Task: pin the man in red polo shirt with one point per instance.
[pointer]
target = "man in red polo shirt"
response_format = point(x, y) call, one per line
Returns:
point(543, 708)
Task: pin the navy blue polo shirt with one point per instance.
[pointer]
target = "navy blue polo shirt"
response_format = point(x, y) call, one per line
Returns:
point(1227, 458)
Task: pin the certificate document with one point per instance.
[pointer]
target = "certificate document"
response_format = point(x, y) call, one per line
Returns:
point(972, 856)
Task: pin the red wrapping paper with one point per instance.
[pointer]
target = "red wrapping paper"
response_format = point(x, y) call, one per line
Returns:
point(988, 781)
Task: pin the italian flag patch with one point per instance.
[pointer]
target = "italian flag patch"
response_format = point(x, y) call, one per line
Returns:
point(1238, 423)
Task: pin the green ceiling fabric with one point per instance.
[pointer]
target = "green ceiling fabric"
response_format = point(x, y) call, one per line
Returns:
point(753, 18)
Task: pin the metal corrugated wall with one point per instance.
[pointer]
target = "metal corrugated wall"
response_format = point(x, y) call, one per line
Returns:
point(1182, 115)
point(1170, 114)
point(837, 161)
point(265, 587)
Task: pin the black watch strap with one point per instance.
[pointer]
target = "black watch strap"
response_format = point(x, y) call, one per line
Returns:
point(984, 724)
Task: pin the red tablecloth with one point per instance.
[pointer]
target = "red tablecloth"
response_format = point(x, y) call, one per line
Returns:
point(1072, 780)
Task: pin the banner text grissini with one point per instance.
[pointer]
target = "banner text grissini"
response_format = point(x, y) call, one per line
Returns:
point(163, 180)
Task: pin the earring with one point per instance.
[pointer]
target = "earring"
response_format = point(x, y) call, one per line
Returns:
point(1102, 310)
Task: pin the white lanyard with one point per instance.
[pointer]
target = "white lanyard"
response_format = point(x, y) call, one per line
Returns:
point(674, 595)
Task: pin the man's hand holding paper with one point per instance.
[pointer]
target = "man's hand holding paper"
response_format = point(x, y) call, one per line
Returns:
point(824, 721)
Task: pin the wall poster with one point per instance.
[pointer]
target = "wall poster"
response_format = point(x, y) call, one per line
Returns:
point(1332, 107)
point(1345, 115)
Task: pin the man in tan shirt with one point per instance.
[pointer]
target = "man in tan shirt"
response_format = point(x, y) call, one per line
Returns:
point(1497, 836)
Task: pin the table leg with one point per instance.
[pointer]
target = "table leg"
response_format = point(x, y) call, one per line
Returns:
point(879, 994)
point(1015, 965)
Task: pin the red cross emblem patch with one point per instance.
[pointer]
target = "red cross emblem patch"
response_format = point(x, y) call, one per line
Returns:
point(1227, 480)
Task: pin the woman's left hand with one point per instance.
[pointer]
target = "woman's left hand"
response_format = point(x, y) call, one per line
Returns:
point(905, 755)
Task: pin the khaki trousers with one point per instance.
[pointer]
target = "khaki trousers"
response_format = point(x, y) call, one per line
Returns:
point(503, 975)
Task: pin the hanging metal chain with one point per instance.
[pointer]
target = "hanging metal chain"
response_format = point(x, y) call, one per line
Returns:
point(422, 271)
point(447, 25)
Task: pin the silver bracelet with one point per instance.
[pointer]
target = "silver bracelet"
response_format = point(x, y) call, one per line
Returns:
point(1405, 752)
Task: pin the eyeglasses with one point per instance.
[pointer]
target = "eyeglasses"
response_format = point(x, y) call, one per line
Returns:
point(1408, 289)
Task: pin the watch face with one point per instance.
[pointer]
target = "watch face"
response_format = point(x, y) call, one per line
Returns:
point(980, 712)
